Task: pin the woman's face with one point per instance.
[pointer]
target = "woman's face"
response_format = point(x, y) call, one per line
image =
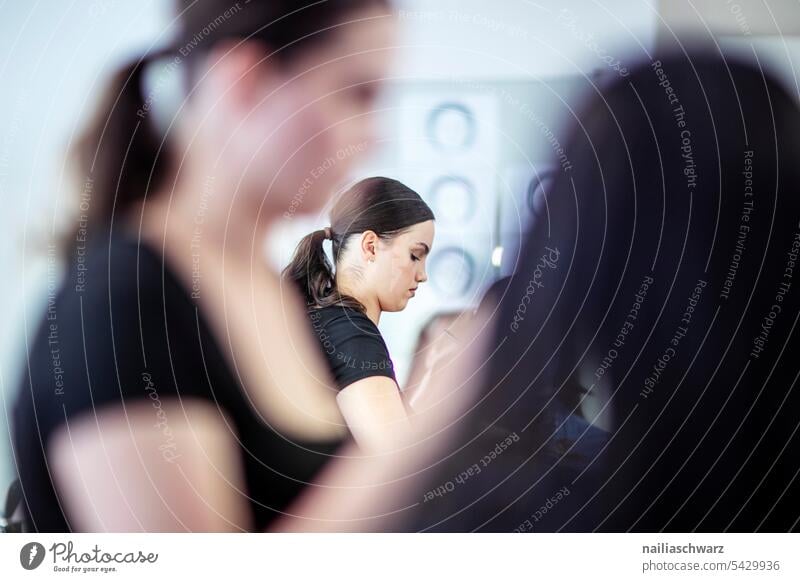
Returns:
point(313, 118)
point(400, 266)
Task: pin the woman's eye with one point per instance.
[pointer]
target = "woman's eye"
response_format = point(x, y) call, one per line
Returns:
point(414, 257)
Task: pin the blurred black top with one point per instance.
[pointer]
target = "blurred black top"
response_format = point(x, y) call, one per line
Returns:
point(124, 329)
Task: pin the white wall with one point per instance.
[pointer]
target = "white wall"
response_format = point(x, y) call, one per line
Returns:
point(509, 39)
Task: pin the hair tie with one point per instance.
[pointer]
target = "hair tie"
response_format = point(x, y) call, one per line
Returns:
point(328, 233)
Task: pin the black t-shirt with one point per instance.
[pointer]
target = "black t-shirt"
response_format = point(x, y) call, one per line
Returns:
point(122, 328)
point(351, 343)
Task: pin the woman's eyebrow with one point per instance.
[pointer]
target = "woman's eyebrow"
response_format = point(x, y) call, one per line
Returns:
point(426, 247)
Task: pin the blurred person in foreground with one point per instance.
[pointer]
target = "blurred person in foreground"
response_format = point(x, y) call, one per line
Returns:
point(173, 384)
point(666, 274)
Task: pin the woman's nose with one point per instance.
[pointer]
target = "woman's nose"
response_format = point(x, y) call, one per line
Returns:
point(422, 276)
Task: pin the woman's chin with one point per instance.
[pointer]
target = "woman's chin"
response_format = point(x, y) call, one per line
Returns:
point(399, 306)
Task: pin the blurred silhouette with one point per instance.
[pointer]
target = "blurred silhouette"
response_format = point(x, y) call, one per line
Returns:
point(664, 274)
point(172, 383)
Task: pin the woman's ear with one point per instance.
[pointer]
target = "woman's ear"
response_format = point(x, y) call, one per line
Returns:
point(369, 245)
point(237, 71)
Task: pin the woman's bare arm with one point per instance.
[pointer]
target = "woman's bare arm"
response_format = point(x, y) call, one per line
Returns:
point(359, 492)
point(374, 411)
point(138, 469)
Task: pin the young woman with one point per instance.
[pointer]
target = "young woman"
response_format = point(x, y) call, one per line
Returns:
point(381, 233)
point(152, 397)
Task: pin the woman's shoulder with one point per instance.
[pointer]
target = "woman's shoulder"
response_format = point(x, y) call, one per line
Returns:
point(352, 344)
point(343, 318)
point(120, 329)
point(123, 275)
point(107, 261)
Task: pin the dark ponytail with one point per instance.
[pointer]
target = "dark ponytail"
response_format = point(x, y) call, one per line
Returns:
point(120, 155)
point(383, 205)
point(310, 268)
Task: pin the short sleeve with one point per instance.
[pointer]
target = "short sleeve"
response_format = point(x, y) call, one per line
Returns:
point(354, 349)
point(113, 336)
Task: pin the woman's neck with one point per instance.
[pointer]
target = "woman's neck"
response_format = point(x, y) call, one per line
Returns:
point(373, 312)
point(196, 216)
point(351, 288)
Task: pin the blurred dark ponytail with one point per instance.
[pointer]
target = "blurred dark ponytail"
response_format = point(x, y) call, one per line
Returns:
point(383, 205)
point(119, 156)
